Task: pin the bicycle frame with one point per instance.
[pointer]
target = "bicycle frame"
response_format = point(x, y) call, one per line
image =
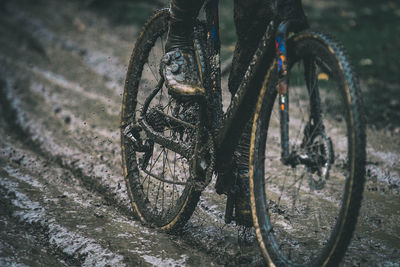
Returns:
point(270, 52)
point(239, 111)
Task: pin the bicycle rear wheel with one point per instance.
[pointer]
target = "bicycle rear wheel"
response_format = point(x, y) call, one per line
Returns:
point(305, 211)
point(159, 174)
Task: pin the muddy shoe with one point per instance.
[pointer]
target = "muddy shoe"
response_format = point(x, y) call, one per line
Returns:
point(180, 70)
point(242, 202)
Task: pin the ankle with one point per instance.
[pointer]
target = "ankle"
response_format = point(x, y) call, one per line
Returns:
point(179, 36)
point(183, 43)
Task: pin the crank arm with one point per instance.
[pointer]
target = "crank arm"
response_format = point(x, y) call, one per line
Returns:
point(172, 144)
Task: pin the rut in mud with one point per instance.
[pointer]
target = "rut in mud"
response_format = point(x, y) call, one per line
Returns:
point(62, 195)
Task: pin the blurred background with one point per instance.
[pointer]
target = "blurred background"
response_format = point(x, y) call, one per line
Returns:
point(369, 30)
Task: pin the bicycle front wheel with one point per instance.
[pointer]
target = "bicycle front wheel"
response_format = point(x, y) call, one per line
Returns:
point(305, 207)
point(158, 137)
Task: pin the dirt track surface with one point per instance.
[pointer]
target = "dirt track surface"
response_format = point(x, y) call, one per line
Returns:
point(62, 195)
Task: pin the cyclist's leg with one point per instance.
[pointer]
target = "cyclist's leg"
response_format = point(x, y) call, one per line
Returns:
point(183, 15)
point(251, 20)
point(179, 65)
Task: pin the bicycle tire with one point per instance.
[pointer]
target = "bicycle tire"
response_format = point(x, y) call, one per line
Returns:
point(318, 230)
point(159, 181)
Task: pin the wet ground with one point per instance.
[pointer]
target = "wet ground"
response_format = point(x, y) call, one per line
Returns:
point(62, 195)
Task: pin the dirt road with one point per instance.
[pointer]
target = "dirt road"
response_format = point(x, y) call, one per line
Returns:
point(62, 195)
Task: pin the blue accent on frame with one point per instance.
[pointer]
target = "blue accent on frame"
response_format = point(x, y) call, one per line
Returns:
point(282, 47)
point(281, 44)
point(214, 31)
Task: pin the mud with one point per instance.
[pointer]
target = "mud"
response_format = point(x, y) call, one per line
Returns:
point(62, 195)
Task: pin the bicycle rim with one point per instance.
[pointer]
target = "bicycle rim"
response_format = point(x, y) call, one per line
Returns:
point(305, 212)
point(159, 180)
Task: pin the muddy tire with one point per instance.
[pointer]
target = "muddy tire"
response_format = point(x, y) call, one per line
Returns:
point(305, 214)
point(159, 181)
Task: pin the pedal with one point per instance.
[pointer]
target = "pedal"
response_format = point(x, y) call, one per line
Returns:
point(155, 119)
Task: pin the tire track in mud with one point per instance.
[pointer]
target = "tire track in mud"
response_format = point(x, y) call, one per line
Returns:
point(108, 231)
point(34, 87)
point(208, 235)
point(77, 249)
point(53, 202)
point(35, 251)
point(25, 129)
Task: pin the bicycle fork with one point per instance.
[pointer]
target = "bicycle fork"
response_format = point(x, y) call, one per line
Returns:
point(293, 158)
point(283, 94)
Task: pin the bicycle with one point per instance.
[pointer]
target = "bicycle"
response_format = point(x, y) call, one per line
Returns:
point(305, 184)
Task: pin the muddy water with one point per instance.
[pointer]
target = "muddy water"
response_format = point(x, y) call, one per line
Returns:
point(62, 195)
